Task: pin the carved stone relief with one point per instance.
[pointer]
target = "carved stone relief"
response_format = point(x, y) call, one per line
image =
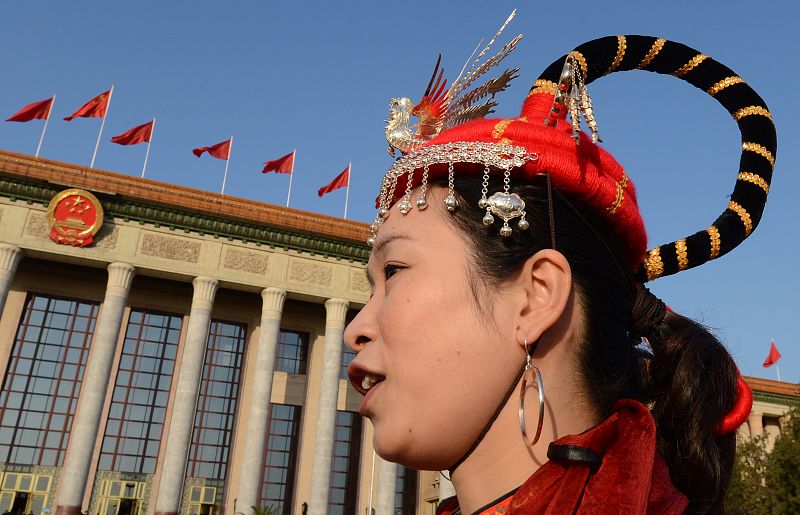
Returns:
point(37, 225)
point(167, 247)
point(253, 262)
point(358, 281)
point(312, 273)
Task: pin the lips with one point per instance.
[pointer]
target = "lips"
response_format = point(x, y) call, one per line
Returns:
point(362, 379)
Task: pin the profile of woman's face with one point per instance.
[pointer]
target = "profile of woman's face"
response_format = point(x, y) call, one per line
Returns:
point(445, 361)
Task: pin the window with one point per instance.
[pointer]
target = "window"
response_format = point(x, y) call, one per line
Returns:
point(43, 379)
point(136, 417)
point(347, 357)
point(405, 492)
point(344, 467)
point(280, 457)
point(292, 352)
point(216, 404)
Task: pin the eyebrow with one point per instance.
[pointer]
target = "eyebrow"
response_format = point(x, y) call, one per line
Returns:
point(380, 246)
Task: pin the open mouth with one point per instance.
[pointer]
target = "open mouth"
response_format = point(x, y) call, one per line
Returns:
point(362, 380)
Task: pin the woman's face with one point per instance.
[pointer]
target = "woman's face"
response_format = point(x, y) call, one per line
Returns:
point(445, 362)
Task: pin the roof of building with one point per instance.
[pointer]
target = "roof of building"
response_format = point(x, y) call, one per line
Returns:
point(774, 391)
point(37, 179)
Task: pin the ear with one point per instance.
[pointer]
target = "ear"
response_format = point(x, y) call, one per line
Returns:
point(545, 282)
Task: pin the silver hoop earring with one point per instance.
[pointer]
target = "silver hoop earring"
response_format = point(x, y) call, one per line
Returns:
point(530, 373)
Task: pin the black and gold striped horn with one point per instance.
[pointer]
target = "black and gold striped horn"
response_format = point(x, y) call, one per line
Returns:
point(743, 213)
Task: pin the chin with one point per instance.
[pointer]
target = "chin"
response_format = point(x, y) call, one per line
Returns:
point(408, 453)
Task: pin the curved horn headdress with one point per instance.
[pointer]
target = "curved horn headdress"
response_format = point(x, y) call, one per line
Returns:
point(614, 54)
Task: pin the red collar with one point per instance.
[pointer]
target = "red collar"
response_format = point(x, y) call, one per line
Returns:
point(630, 478)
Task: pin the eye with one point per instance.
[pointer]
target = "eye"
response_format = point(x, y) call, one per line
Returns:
point(389, 269)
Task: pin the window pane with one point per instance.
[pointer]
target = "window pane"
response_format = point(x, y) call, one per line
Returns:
point(43, 379)
point(344, 469)
point(135, 419)
point(291, 352)
point(216, 404)
point(280, 457)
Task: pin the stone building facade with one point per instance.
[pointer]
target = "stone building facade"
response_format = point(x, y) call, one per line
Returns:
point(189, 360)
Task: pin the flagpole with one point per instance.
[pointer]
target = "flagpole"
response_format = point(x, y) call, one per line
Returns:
point(103, 124)
point(41, 138)
point(291, 176)
point(347, 195)
point(225, 176)
point(371, 483)
point(147, 153)
point(778, 370)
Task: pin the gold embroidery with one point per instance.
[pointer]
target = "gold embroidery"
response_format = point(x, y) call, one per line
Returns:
point(500, 127)
point(691, 65)
point(760, 150)
point(724, 83)
point(653, 264)
point(751, 110)
point(582, 61)
point(713, 236)
point(622, 45)
point(682, 252)
point(544, 86)
point(755, 179)
point(652, 53)
point(504, 141)
point(621, 185)
point(744, 215)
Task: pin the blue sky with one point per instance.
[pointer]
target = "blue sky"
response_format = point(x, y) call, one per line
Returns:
point(317, 76)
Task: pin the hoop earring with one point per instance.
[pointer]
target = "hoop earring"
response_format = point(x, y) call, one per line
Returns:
point(531, 372)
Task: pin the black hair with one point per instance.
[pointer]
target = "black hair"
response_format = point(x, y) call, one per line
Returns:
point(688, 380)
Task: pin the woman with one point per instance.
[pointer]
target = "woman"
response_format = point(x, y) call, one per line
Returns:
point(509, 338)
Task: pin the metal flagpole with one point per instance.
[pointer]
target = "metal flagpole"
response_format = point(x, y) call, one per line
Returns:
point(347, 195)
point(41, 138)
point(778, 370)
point(371, 483)
point(291, 176)
point(147, 153)
point(100, 134)
point(225, 176)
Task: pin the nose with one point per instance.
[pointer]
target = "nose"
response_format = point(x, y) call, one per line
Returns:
point(363, 329)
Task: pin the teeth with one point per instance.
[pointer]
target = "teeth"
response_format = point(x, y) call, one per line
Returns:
point(369, 381)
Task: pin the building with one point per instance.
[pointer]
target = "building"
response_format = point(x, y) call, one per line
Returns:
point(188, 360)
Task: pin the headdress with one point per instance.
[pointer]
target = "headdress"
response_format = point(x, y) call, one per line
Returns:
point(542, 141)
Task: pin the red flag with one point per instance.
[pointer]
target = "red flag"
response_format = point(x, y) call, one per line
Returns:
point(139, 134)
point(220, 150)
point(283, 164)
point(94, 108)
point(340, 181)
point(34, 111)
point(773, 357)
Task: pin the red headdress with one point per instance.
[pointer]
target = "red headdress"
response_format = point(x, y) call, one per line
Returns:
point(454, 139)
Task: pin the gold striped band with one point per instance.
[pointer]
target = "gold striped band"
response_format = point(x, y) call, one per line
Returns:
point(544, 86)
point(760, 150)
point(755, 179)
point(714, 241)
point(744, 215)
point(652, 53)
point(724, 83)
point(682, 252)
point(622, 46)
point(620, 196)
point(751, 110)
point(691, 65)
point(653, 264)
point(582, 61)
point(500, 127)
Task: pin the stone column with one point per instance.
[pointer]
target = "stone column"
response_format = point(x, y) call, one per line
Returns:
point(186, 389)
point(384, 497)
point(9, 260)
point(336, 311)
point(261, 390)
point(86, 422)
point(756, 422)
